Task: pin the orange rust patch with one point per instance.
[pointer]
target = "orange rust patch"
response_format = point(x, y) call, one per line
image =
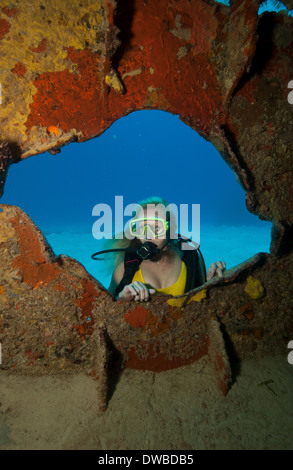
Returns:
point(258, 333)
point(59, 286)
point(80, 100)
point(86, 304)
point(156, 327)
point(36, 275)
point(19, 69)
point(175, 312)
point(220, 361)
point(9, 11)
point(247, 310)
point(86, 301)
point(32, 358)
point(248, 90)
point(155, 99)
point(222, 372)
point(28, 241)
point(41, 47)
point(4, 27)
point(140, 317)
point(158, 362)
point(72, 100)
point(137, 317)
point(83, 330)
point(34, 267)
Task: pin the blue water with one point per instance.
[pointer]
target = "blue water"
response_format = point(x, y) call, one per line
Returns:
point(143, 154)
point(268, 5)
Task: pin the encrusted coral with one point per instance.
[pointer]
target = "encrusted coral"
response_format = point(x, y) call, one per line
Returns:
point(69, 70)
point(253, 288)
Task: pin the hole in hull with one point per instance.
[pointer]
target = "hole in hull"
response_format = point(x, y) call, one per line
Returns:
point(144, 154)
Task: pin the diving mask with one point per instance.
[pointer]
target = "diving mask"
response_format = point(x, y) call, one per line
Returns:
point(153, 227)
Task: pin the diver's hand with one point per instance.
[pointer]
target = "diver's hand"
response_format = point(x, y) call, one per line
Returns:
point(136, 291)
point(216, 270)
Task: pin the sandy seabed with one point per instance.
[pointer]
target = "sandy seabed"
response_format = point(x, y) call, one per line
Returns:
point(181, 409)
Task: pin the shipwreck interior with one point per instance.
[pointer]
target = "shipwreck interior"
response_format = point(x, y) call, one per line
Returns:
point(71, 69)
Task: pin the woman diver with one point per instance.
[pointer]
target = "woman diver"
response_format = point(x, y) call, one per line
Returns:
point(155, 262)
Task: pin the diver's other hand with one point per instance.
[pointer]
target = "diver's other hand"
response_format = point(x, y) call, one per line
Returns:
point(216, 270)
point(136, 291)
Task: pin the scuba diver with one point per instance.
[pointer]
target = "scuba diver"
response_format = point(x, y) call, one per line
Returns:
point(153, 262)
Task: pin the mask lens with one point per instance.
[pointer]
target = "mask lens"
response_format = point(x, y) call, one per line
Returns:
point(150, 228)
point(136, 228)
point(156, 227)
